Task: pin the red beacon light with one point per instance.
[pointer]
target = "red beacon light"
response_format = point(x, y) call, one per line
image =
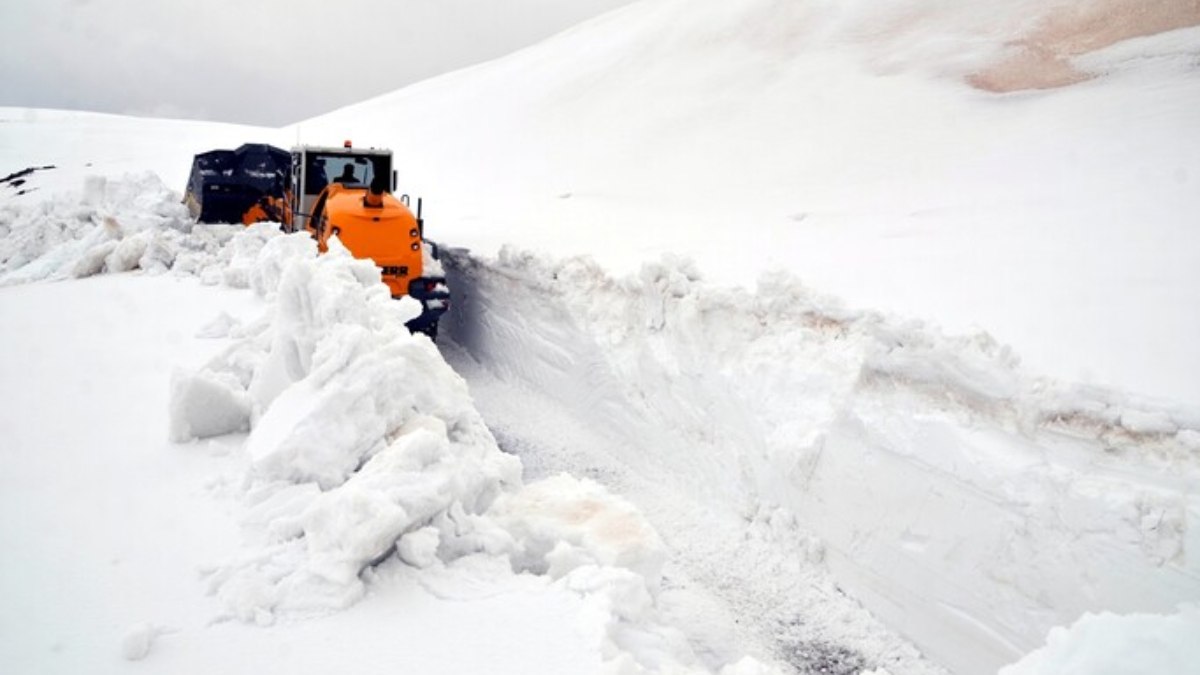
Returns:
point(347, 144)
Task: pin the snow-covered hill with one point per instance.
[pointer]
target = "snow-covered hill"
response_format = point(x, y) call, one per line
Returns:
point(785, 480)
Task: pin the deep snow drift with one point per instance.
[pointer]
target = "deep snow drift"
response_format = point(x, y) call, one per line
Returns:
point(777, 456)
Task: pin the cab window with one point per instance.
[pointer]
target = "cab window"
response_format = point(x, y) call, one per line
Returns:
point(354, 170)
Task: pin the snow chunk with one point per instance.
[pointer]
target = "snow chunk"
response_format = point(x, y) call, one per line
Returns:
point(347, 373)
point(621, 616)
point(127, 254)
point(91, 261)
point(419, 476)
point(431, 264)
point(419, 547)
point(244, 251)
point(206, 404)
point(220, 327)
point(139, 640)
point(274, 256)
point(563, 523)
point(278, 511)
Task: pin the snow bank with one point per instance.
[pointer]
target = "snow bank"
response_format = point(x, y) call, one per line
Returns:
point(1109, 644)
point(960, 499)
point(113, 226)
point(360, 431)
point(119, 225)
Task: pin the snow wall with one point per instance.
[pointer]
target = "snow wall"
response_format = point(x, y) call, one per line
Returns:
point(965, 503)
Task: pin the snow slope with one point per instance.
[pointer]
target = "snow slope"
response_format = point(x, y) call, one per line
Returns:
point(941, 479)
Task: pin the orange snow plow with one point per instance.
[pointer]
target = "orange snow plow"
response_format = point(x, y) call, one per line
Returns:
point(329, 192)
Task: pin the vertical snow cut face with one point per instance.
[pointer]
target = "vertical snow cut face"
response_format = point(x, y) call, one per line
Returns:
point(966, 503)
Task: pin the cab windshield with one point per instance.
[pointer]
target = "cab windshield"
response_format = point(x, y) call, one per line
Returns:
point(353, 170)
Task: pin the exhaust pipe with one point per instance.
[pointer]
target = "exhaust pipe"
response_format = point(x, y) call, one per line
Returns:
point(374, 196)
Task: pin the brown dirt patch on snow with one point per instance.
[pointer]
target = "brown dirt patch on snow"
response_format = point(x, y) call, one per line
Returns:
point(1041, 59)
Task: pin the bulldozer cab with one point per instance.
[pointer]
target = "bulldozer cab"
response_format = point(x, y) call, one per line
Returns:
point(314, 168)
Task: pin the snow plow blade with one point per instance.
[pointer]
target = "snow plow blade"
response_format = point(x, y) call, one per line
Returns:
point(226, 185)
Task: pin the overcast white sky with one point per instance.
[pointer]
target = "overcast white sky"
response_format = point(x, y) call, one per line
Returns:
point(267, 62)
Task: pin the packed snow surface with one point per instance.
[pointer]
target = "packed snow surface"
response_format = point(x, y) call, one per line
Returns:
point(678, 452)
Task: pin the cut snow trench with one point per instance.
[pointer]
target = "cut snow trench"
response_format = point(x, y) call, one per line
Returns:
point(953, 495)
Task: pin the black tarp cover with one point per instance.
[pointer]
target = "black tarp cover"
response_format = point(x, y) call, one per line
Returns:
point(225, 183)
